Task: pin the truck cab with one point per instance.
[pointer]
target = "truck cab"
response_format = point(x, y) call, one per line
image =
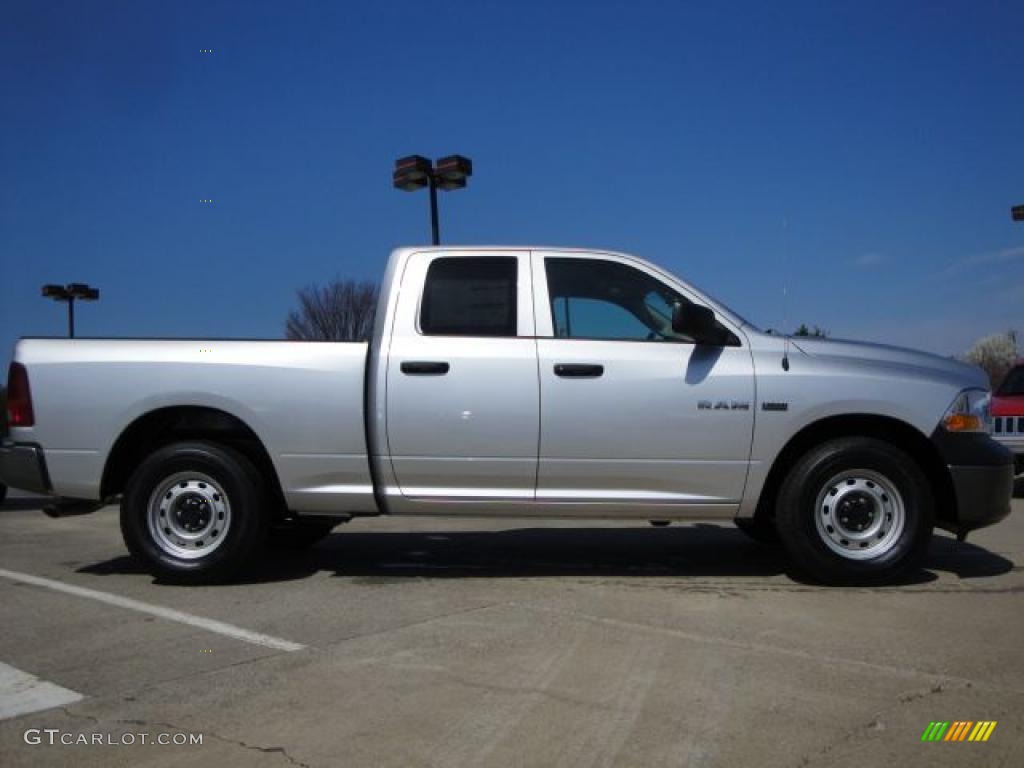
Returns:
point(543, 382)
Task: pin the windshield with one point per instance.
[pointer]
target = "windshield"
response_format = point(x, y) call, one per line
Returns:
point(1013, 384)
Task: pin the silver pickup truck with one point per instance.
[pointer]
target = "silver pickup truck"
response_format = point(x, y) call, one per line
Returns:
point(513, 382)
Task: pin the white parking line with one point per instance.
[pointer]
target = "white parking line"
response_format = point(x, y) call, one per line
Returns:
point(170, 614)
point(21, 693)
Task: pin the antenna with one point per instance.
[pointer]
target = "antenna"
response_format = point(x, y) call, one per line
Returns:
point(785, 293)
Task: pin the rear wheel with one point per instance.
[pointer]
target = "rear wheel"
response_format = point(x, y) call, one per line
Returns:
point(195, 511)
point(855, 510)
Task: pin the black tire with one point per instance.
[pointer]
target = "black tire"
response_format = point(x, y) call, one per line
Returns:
point(299, 533)
point(243, 490)
point(826, 553)
point(760, 529)
point(3, 493)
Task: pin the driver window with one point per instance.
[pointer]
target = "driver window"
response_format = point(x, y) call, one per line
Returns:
point(595, 299)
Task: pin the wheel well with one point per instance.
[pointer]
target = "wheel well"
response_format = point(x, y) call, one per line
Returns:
point(893, 431)
point(170, 425)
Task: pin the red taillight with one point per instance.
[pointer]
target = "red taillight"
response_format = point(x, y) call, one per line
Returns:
point(19, 399)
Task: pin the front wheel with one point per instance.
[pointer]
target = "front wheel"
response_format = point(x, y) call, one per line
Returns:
point(195, 511)
point(855, 510)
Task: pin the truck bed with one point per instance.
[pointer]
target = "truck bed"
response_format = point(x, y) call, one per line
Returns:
point(304, 400)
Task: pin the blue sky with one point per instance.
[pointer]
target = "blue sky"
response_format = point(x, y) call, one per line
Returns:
point(860, 156)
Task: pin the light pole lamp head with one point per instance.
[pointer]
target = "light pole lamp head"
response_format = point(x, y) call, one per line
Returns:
point(452, 172)
point(1017, 213)
point(83, 291)
point(55, 292)
point(449, 184)
point(411, 173)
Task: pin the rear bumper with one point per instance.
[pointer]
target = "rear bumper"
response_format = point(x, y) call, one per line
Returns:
point(24, 466)
point(982, 472)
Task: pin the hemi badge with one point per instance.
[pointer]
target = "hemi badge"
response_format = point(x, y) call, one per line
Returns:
point(766, 406)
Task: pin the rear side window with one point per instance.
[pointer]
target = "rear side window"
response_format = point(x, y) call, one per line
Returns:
point(474, 296)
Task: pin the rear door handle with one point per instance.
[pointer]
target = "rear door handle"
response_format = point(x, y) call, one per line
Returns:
point(424, 368)
point(578, 370)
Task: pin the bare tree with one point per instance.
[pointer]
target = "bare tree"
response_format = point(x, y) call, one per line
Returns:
point(342, 310)
point(995, 355)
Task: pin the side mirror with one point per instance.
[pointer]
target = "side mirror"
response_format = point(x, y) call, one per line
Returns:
point(695, 321)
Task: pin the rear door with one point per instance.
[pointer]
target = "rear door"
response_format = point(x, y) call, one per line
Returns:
point(462, 392)
point(635, 418)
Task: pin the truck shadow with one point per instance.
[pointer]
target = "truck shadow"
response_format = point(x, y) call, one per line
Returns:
point(691, 551)
point(19, 504)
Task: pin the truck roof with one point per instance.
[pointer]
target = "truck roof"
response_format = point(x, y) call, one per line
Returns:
point(506, 247)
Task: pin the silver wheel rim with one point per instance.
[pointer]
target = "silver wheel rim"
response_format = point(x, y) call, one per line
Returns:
point(859, 514)
point(189, 515)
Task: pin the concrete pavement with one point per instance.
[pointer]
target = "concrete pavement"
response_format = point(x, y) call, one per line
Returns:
point(497, 643)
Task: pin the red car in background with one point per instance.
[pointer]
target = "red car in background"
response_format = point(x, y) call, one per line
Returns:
point(1008, 413)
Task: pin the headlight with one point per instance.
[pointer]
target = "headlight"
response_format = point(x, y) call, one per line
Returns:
point(969, 412)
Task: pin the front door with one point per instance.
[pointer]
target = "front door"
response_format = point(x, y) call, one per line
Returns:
point(635, 418)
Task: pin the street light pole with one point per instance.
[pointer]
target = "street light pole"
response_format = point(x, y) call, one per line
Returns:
point(68, 293)
point(415, 172)
point(435, 230)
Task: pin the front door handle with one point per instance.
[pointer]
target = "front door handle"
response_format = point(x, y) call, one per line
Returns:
point(424, 368)
point(578, 370)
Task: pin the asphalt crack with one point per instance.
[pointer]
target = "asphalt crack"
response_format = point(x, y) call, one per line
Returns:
point(265, 750)
point(79, 716)
point(172, 727)
point(527, 690)
point(416, 623)
point(937, 688)
point(877, 722)
point(757, 647)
